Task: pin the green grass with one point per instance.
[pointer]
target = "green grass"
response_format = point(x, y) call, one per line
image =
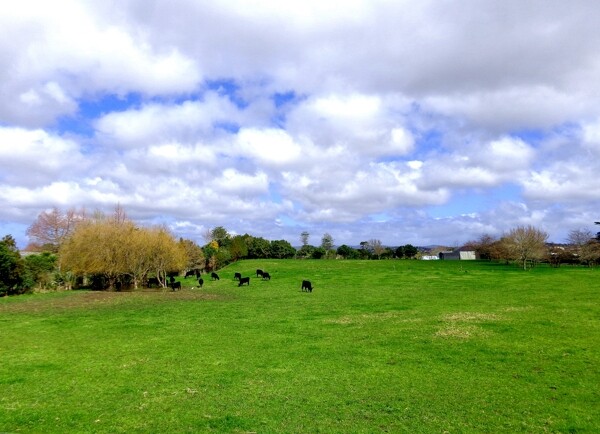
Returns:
point(378, 346)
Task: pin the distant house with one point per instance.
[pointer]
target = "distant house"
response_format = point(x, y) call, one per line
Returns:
point(462, 254)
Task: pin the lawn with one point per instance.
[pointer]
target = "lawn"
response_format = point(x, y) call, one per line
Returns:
point(378, 346)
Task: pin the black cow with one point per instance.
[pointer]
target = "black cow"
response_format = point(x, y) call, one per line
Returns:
point(307, 286)
point(266, 276)
point(176, 285)
point(214, 276)
point(201, 282)
point(259, 273)
point(153, 281)
point(244, 280)
point(237, 276)
point(190, 273)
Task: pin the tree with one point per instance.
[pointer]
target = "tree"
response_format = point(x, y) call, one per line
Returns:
point(238, 247)
point(526, 243)
point(347, 252)
point(484, 246)
point(258, 248)
point(194, 255)
point(376, 247)
point(399, 252)
point(304, 238)
point(282, 249)
point(52, 227)
point(221, 236)
point(115, 248)
point(410, 251)
point(40, 269)
point(305, 252)
point(11, 267)
point(318, 253)
point(327, 243)
point(364, 251)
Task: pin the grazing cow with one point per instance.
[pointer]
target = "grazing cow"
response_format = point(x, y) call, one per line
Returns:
point(307, 286)
point(190, 273)
point(266, 276)
point(237, 276)
point(176, 285)
point(171, 280)
point(259, 273)
point(245, 280)
point(153, 281)
point(214, 276)
point(201, 282)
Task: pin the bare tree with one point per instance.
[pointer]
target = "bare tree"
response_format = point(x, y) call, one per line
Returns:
point(526, 243)
point(51, 228)
point(579, 237)
point(376, 247)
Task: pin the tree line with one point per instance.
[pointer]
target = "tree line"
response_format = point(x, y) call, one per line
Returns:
point(111, 251)
point(527, 245)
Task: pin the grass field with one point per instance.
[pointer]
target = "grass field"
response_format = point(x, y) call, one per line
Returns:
point(378, 346)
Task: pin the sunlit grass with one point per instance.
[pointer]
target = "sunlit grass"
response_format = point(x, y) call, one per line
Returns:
point(378, 346)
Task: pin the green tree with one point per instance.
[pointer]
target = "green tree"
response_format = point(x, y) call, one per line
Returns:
point(305, 252)
point(238, 247)
point(41, 269)
point(318, 253)
point(347, 252)
point(410, 251)
point(399, 252)
point(12, 269)
point(281, 249)
point(258, 248)
point(221, 236)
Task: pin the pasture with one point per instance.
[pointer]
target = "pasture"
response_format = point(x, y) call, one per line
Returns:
point(377, 346)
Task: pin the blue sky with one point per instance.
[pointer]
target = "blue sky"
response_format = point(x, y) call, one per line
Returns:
point(423, 123)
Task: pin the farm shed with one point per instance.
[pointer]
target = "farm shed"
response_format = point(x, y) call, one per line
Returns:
point(458, 255)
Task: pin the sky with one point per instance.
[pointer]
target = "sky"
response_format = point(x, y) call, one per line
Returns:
point(429, 122)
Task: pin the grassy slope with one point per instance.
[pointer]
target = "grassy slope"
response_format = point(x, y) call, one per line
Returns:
point(390, 346)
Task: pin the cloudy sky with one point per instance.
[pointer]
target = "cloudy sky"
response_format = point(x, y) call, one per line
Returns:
point(428, 122)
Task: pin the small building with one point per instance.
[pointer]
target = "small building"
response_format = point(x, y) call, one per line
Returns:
point(462, 254)
point(450, 255)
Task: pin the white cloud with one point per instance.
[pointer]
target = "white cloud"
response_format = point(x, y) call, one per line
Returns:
point(393, 107)
point(30, 157)
point(268, 146)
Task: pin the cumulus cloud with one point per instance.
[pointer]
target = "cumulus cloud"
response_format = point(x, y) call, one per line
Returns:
point(283, 116)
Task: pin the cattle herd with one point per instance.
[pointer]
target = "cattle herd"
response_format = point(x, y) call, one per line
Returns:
point(174, 285)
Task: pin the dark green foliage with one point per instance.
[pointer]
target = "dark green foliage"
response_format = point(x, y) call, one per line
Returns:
point(12, 268)
point(318, 253)
point(305, 251)
point(410, 251)
point(258, 248)
point(238, 248)
point(41, 269)
point(282, 249)
point(347, 252)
